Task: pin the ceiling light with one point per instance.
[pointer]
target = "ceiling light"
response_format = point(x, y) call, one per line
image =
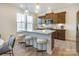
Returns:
point(36, 11)
point(48, 8)
point(21, 6)
point(37, 6)
point(26, 11)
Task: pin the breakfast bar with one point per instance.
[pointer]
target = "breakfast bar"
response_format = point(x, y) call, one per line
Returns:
point(41, 34)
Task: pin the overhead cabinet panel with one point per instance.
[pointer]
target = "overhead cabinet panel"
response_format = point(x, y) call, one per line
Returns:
point(56, 17)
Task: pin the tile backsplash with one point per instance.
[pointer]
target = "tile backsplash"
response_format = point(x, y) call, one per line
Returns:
point(53, 26)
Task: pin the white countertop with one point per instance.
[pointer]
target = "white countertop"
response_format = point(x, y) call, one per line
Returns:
point(40, 34)
point(39, 31)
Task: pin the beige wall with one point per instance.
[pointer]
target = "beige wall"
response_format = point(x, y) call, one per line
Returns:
point(35, 17)
point(8, 20)
point(71, 21)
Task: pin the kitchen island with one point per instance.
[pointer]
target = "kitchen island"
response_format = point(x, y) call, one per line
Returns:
point(42, 34)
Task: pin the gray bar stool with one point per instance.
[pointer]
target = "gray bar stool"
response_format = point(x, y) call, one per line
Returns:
point(29, 41)
point(20, 38)
point(41, 42)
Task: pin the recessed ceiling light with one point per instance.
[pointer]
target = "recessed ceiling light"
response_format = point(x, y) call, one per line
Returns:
point(21, 6)
point(36, 11)
point(26, 11)
point(37, 6)
point(48, 8)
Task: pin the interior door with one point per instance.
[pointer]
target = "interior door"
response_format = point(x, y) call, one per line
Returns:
point(77, 32)
point(77, 25)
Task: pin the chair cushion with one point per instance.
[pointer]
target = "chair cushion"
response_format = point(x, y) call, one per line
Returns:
point(20, 35)
point(5, 48)
point(28, 38)
point(10, 42)
point(8, 46)
point(41, 41)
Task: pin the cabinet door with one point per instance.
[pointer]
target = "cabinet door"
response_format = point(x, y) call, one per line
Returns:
point(49, 16)
point(55, 34)
point(59, 17)
point(61, 34)
point(55, 18)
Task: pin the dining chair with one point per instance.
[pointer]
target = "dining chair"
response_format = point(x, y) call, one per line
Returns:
point(8, 46)
point(0, 35)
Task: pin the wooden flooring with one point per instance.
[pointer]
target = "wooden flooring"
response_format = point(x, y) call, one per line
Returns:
point(21, 50)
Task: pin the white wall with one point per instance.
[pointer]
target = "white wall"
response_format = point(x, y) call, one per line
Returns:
point(71, 21)
point(8, 20)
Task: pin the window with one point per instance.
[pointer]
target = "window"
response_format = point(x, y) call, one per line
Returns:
point(20, 21)
point(29, 22)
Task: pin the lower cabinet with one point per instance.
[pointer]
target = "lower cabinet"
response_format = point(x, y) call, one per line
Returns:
point(59, 34)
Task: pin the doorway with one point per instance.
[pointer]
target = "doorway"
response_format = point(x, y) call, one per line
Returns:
point(77, 33)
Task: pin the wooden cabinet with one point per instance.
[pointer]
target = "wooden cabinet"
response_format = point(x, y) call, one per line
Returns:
point(59, 34)
point(60, 17)
point(56, 17)
point(49, 16)
point(42, 17)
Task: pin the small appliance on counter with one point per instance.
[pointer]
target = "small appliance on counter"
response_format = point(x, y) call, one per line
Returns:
point(60, 26)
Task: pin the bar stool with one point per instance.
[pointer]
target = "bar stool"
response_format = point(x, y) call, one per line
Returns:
point(29, 41)
point(41, 42)
point(21, 38)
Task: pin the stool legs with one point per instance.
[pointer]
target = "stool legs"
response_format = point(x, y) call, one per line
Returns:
point(41, 50)
point(29, 45)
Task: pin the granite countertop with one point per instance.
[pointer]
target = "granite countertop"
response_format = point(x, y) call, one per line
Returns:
point(43, 31)
point(43, 28)
point(39, 31)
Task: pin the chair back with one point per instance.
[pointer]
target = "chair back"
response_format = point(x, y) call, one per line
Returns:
point(11, 41)
point(0, 36)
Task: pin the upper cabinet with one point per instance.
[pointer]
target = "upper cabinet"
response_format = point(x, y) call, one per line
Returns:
point(60, 17)
point(56, 17)
point(49, 16)
point(42, 17)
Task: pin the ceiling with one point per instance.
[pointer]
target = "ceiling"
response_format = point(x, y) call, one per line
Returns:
point(43, 6)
